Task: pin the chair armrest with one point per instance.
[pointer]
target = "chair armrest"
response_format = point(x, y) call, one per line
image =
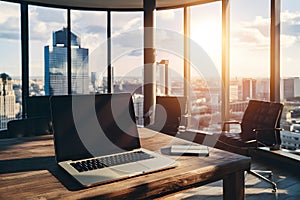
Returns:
point(231, 122)
point(267, 129)
point(227, 123)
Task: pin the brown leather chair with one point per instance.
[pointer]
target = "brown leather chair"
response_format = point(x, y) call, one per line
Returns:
point(168, 114)
point(260, 127)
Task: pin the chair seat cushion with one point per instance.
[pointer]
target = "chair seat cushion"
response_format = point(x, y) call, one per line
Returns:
point(235, 139)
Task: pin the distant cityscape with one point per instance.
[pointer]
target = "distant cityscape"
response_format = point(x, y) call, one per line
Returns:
point(205, 100)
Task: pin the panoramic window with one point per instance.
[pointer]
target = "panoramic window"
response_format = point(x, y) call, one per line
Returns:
point(206, 57)
point(88, 52)
point(290, 74)
point(47, 58)
point(249, 54)
point(10, 65)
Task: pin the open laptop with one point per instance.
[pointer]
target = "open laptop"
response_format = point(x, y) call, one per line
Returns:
point(96, 139)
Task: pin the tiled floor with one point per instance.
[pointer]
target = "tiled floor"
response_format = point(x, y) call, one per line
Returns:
point(256, 189)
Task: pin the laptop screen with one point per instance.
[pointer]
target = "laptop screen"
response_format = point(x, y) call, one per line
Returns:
point(86, 126)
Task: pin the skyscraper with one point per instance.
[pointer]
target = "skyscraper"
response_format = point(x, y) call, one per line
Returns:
point(56, 65)
point(249, 89)
point(7, 100)
point(96, 80)
point(162, 75)
point(291, 88)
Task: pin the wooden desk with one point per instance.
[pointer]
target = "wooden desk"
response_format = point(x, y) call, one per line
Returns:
point(28, 170)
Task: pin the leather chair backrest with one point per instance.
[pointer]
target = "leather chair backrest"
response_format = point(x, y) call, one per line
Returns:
point(262, 115)
point(28, 127)
point(168, 113)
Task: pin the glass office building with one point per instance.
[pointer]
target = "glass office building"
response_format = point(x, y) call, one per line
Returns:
point(56, 65)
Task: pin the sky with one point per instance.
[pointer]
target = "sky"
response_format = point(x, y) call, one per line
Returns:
point(250, 38)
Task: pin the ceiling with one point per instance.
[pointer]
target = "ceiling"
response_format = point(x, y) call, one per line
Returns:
point(116, 4)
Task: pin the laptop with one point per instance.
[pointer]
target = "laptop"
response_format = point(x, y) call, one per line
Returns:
point(96, 139)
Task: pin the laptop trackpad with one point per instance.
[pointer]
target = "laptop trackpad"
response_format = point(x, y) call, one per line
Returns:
point(96, 176)
point(158, 163)
point(129, 169)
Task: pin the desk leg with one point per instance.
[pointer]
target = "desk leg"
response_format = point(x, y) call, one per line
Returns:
point(234, 186)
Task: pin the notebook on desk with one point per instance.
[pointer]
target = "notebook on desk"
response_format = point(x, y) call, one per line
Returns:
point(96, 139)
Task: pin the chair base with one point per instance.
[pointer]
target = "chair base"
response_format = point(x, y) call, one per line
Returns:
point(255, 173)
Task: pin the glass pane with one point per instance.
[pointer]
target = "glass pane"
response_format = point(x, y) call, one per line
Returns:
point(89, 51)
point(249, 54)
point(290, 74)
point(10, 65)
point(47, 51)
point(127, 51)
point(169, 52)
point(128, 56)
point(206, 57)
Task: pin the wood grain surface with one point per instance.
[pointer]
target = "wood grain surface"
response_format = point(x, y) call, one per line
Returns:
point(28, 171)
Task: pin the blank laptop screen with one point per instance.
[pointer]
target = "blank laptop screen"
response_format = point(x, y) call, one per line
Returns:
point(93, 125)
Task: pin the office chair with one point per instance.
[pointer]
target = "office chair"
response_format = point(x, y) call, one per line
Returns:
point(168, 114)
point(38, 106)
point(3, 134)
point(260, 127)
point(28, 127)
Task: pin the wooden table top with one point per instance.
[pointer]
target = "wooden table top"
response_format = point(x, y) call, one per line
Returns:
point(28, 170)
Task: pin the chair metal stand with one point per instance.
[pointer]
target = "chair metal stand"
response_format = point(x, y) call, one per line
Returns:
point(260, 127)
point(255, 173)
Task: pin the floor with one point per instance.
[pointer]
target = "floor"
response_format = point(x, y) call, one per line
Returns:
point(256, 189)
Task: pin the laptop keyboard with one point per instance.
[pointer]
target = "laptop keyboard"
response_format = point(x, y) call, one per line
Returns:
point(92, 164)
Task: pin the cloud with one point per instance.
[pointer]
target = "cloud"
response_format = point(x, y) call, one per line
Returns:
point(290, 17)
point(251, 37)
point(10, 36)
point(287, 40)
point(261, 24)
point(95, 29)
point(290, 23)
point(92, 41)
point(48, 15)
point(43, 21)
point(10, 22)
point(165, 15)
point(131, 39)
point(135, 22)
point(136, 53)
point(10, 10)
point(256, 33)
point(132, 24)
